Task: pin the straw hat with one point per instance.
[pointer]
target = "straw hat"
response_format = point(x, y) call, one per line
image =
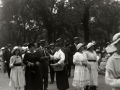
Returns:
point(79, 46)
point(116, 38)
point(90, 45)
point(110, 48)
point(15, 48)
point(2, 48)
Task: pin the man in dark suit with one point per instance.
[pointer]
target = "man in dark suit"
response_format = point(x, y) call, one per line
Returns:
point(6, 58)
point(73, 50)
point(44, 60)
point(67, 52)
point(52, 72)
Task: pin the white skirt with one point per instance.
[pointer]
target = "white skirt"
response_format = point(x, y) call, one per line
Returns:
point(81, 76)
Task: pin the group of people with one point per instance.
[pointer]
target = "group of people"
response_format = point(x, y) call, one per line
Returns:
point(28, 65)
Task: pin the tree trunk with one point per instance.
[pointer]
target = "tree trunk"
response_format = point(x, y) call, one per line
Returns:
point(86, 23)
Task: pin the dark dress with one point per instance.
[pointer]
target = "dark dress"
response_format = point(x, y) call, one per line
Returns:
point(62, 77)
point(6, 57)
point(33, 73)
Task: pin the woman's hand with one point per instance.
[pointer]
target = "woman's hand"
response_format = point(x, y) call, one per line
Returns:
point(84, 64)
point(30, 64)
point(37, 63)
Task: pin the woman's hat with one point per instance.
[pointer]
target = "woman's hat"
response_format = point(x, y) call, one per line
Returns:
point(79, 46)
point(2, 48)
point(15, 48)
point(58, 44)
point(90, 45)
point(110, 48)
point(116, 39)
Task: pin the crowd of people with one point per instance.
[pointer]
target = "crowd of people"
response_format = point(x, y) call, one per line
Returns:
point(28, 65)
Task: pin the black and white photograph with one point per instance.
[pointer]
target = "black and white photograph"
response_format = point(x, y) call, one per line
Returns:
point(59, 44)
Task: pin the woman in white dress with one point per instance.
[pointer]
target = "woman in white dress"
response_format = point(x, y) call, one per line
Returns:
point(17, 77)
point(92, 59)
point(112, 75)
point(2, 60)
point(81, 73)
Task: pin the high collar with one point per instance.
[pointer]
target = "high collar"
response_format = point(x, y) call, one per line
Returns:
point(115, 55)
point(31, 52)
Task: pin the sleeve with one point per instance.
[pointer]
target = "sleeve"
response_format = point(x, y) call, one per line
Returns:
point(11, 62)
point(62, 58)
point(109, 65)
point(75, 59)
point(110, 81)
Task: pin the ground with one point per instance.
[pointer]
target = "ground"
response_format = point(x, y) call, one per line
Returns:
point(4, 83)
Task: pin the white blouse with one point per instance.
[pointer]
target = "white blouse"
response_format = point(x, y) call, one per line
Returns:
point(91, 55)
point(59, 55)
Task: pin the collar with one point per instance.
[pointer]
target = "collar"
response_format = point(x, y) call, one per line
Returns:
point(115, 55)
point(30, 52)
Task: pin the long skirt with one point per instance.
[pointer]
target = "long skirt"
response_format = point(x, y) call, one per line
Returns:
point(94, 77)
point(81, 76)
point(17, 78)
point(62, 79)
point(33, 79)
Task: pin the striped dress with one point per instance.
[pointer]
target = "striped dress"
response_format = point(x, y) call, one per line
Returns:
point(81, 73)
point(94, 67)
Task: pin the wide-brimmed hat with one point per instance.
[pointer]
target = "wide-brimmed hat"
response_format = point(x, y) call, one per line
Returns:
point(42, 41)
point(2, 48)
point(90, 45)
point(76, 38)
point(116, 39)
point(110, 48)
point(79, 46)
point(58, 45)
point(52, 44)
point(14, 49)
point(58, 40)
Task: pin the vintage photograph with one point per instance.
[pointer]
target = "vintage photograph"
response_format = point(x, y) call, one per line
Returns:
point(59, 44)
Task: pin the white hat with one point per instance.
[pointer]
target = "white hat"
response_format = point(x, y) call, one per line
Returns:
point(15, 48)
point(116, 38)
point(2, 48)
point(79, 46)
point(90, 45)
point(110, 48)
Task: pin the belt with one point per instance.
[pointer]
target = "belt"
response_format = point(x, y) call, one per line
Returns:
point(92, 60)
point(17, 64)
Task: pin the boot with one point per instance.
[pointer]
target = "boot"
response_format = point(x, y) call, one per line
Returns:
point(87, 88)
point(91, 87)
point(94, 88)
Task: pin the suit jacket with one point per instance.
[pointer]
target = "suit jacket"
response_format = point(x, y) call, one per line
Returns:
point(67, 52)
point(7, 55)
point(43, 56)
point(73, 50)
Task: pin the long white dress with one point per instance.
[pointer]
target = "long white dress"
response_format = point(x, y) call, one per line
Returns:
point(94, 67)
point(81, 73)
point(17, 77)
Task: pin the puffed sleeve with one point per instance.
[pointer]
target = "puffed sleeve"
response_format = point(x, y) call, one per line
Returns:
point(75, 59)
point(62, 58)
point(11, 62)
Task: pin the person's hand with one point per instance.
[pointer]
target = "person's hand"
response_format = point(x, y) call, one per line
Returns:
point(28, 64)
point(84, 64)
point(32, 64)
point(37, 63)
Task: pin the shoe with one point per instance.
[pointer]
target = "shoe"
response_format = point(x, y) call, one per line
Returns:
point(51, 82)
